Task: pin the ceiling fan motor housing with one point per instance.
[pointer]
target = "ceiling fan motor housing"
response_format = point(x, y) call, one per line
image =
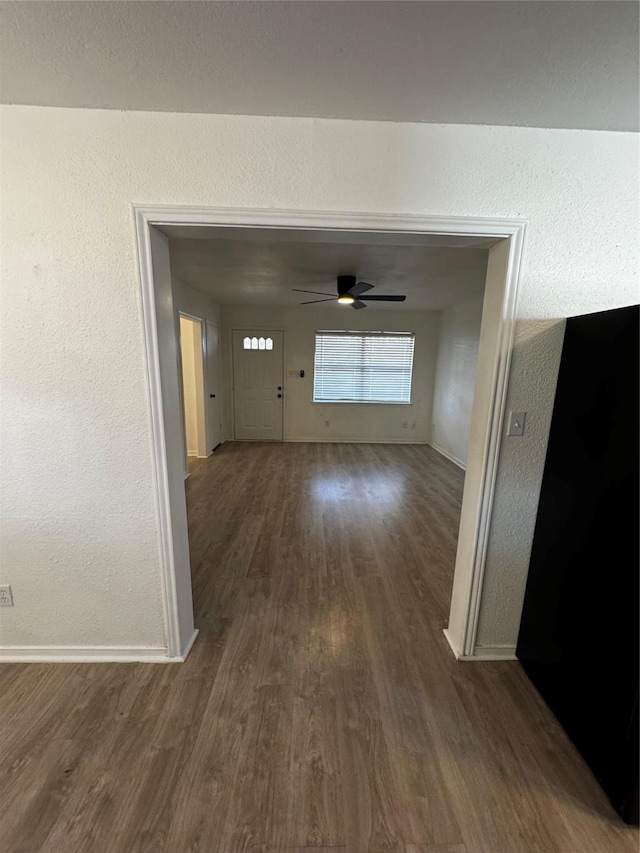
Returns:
point(345, 283)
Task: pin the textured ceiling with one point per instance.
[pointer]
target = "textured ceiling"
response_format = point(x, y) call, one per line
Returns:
point(263, 271)
point(544, 64)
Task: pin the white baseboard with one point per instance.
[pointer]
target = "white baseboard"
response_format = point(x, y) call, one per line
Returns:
point(456, 651)
point(482, 653)
point(492, 653)
point(324, 440)
point(92, 654)
point(448, 456)
point(188, 647)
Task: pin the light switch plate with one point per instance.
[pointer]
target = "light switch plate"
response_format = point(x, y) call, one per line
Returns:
point(516, 423)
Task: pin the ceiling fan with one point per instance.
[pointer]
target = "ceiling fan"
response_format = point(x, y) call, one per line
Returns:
point(350, 292)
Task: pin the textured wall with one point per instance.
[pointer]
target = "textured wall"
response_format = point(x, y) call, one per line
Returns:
point(534, 370)
point(304, 419)
point(455, 378)
point(80, 539)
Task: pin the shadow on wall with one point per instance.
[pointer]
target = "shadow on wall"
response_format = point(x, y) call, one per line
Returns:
point(535, 363)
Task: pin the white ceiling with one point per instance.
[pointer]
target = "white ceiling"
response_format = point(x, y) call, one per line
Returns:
point(544, 64)
point(260, 266)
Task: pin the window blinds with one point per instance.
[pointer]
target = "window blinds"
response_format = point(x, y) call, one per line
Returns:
point(363, 367)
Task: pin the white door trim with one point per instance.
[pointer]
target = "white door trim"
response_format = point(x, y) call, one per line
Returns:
point(207, 381)
point(146, 216)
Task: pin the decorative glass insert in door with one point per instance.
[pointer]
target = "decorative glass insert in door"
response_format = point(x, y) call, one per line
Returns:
point(258, 343)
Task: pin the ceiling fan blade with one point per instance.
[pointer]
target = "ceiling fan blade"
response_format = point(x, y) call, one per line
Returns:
point(317, 292)
point(360, 287)
point(357, 304)
point(314, 301)
point(384, 298)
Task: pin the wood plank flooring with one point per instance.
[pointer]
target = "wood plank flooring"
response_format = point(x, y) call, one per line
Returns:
point(321, 709)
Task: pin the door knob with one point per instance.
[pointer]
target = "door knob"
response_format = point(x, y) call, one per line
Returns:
point(279, 387)
point(279, 395)
point(212, 395)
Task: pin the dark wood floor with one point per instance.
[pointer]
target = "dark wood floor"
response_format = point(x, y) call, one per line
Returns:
point(320, 709)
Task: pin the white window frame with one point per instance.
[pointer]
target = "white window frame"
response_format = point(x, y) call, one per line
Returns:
point(354, 401)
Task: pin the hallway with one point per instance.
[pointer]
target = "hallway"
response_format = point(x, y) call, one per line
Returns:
point(321, 708)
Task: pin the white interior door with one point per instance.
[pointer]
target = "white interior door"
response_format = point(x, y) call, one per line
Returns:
point(214, 397)
point(258, 390)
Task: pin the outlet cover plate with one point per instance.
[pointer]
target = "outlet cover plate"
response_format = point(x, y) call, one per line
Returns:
point(516, 423)
point(6, 596)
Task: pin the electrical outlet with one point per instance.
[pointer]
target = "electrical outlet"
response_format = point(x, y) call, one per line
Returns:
point(413, 425)
point(404, 424)
point(327, 423)
point(6, 596)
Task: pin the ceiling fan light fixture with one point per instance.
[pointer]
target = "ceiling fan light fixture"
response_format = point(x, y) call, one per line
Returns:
point(350, 292)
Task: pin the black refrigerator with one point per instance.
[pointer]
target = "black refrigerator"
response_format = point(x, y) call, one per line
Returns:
point(578, 638)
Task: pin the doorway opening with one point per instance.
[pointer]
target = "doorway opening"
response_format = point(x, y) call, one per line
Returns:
point(198, 360)
point(193, 387)
point(503, 239)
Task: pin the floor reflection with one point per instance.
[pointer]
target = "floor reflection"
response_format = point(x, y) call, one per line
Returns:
point(387, 489)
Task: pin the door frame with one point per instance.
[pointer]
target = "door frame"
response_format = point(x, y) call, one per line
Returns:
point(232, 376)
point(207, 382)
point(170, 499)
point(201, 390)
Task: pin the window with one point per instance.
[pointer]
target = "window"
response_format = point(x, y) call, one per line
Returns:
point(257, 343)
point(363, 367)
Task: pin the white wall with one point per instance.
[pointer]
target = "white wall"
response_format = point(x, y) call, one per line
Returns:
point(305, 420)
point(191, 301)
point(79, 520)
point(455, 379)
point(188, 342)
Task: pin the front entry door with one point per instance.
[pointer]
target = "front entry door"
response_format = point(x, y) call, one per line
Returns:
point(258, 384)
point(214, 397)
